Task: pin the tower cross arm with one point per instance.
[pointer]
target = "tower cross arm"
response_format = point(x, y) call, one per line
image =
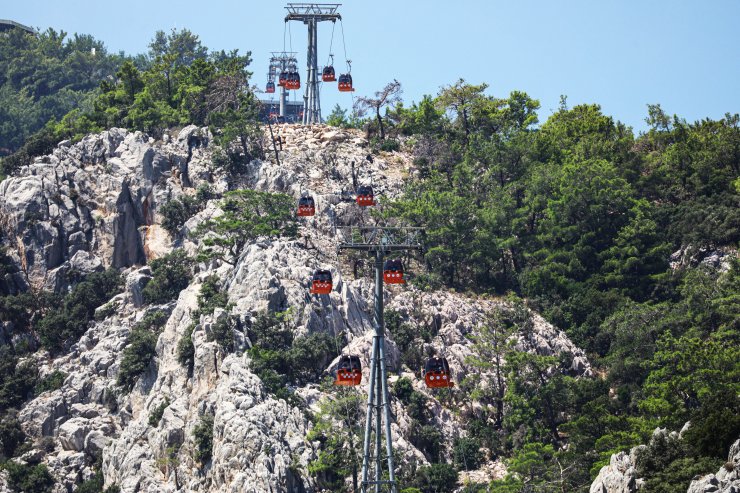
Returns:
point(380, 239)
point(315, 11)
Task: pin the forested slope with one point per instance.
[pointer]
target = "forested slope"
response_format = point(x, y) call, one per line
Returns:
point(626, 243)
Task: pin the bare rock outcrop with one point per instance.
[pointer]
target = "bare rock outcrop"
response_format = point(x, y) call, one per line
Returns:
point(96, 204)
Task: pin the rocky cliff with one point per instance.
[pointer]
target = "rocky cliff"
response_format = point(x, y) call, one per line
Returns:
point(97, 204)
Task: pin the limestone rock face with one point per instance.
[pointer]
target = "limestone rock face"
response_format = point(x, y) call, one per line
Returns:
point(97, 203)
point(618, 477)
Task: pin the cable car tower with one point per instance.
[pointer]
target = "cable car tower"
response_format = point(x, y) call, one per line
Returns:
point(280, 63)
point(378, 242)
point(311, 14)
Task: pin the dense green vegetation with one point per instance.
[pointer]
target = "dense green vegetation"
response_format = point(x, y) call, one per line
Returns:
point(29, 477)
point(64, 325)
point(44, 77)
point(156, 416)
point(203, 438)
point(247, 215)
point(170, 275)
point(576, 215)
point(579, 216)
point(140, 348)
point(64, 90)
point(279, 358)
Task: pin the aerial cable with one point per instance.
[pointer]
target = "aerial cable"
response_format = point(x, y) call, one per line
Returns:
point(344, 44)
point(347, 412)
point(290, 38)
point(285, 28)
point(331, 43)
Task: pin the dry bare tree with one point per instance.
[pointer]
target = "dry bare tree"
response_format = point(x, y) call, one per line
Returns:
point(390, 94)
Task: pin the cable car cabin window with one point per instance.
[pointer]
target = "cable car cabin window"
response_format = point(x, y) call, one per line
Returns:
point(437, 373)
point(306, 207)
point(321, 282)
point(328, 74)
point(393, 272)
point(349, 371)
point(365, 196)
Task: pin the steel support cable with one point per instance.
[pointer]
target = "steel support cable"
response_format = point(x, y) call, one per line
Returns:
point(346, 404)
point(349, 65)
point(331, 43)
point(290, 37)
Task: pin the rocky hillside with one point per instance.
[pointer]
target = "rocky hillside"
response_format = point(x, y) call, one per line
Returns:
point(98, 204)
point(621, 475)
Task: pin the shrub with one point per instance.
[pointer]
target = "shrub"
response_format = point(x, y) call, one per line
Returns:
point(186, 349)
point(211, 297)
point(20, 310)
point(715, 425)
point(156, 416)
point(390, 145)
point(466, 454)
point(177, 211)
point(247, 215)
point(38, 144)
point(223, 333)
point(203, 437)
point(52, 381)
point(140, 349)
point(95, 485)
point(677, 475)
point(92, 485)
point(278, 359)
point(404, 335)
point(437, 478)
point(415, 402)
point(309, 355)
point(27, 478)
point(16, 380)
point(402, 389)
point(401, 332)
point(170, 275)
point(11, 434)
point(428, 439)
point(105, 311)
point(59, 328)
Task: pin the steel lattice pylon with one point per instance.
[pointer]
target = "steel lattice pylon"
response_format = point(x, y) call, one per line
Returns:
point(281, 61)
point(378, 242)
point(311, 14)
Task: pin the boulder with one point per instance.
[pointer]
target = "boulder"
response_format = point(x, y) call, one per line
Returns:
point(618, 477)
point(72, 434)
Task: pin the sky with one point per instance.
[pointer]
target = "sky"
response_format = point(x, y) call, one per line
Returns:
point(623, 55)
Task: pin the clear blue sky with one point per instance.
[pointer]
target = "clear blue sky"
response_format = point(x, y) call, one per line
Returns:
point(623, 55)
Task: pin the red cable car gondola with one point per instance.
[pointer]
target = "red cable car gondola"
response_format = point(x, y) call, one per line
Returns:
point(437, 373)
point(283, 79)
point(393, 272)
point(321, 282)
point(270, 87)
point(349, 371)
point(306, 206)
point(294, 81)
point(328, 74)
point(365, 196)
point(345, 83)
